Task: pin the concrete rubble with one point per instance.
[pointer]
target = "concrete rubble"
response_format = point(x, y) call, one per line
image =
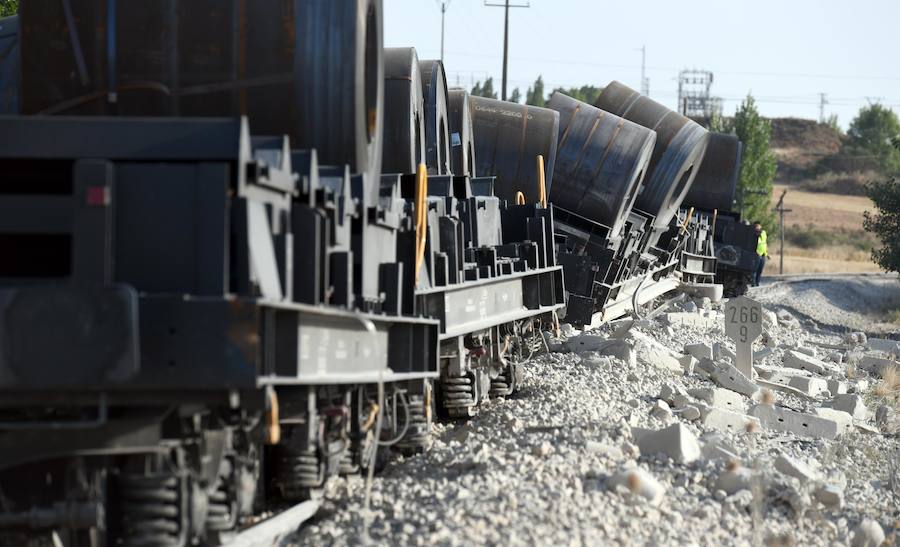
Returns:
point(851, 404)
point(649, 435)
point(676, 441)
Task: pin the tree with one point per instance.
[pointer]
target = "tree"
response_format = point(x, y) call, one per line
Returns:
point(516, 96)
point(754, 192)
point(885, 222)
point(486, 90)
point(535, 95)
point(871, 133)
point(585, 93)
point(8, 7)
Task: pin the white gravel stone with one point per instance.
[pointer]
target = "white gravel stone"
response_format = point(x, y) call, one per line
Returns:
point(640, 483)
point(568, 330)
point(688, 412)
point(676, 441)
point(731, 481)
point(794, 468)
point(661, 410)
point(829, 495)
point(867, 534)
point(542, 450)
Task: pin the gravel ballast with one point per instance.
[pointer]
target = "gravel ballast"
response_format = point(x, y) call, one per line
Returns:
point(560, 463)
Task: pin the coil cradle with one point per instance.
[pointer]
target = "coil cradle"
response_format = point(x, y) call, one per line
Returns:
point(722, 248)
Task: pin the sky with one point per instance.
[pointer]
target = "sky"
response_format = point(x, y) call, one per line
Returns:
point(785, 52)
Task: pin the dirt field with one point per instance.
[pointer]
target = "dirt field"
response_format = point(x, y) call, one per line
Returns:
point(830, 212)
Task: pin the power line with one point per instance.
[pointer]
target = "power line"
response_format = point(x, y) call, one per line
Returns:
point(506, 7)
point(676, 69)
point(444, 5)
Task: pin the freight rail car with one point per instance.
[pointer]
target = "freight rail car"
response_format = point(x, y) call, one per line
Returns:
point(244, 261)
point(215, 295)
point(622, 169)
point(721, 246)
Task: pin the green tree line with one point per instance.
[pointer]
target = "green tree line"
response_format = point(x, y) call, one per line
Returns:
point(8, 7)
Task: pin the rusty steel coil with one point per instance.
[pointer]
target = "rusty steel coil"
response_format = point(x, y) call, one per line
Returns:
point(508, 139)
point(600, 162)
point(680, 146)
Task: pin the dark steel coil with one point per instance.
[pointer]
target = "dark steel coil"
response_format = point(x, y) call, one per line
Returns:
point(308, 68)
point(437, 123)
point(600, 162)
point(680, 146)
point(508, 139)
point(716, 181)
point(339, 83)
point(404, 112)
point(462, 139)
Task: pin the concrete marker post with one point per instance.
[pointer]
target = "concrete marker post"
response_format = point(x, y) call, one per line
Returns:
point(743, 324)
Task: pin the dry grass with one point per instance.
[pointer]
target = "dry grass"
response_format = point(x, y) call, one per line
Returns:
point(794, 264)
point(822, 210)
point(827, 212)
point(889, 387)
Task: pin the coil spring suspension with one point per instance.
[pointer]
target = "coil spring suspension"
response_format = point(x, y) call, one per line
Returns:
point(299, 471)
point(418, 434)
point(223, 512)
point(502, 385)
point(459, 395)
point(153, 510)
point(350, 461)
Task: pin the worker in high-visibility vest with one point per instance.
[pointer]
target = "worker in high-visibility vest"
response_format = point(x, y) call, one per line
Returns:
point(762, 252)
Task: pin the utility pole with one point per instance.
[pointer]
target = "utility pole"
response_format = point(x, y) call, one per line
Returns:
point(506, 5)
point(444, 5)
point(823, 100)
point(781, 211)
point(645, 83)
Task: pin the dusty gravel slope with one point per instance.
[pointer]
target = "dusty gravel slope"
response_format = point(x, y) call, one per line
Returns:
point(541, 468)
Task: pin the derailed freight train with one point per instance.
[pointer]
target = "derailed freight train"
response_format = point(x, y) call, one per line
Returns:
point(238, 263)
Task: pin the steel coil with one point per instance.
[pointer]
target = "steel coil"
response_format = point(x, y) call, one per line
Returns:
point(462, 139)
point(437, 123)
point(600, 162)
point(508, 138)
point(716, 181)
point(404, 112)
point(339, 83)
point(680, 146)
point(311, 69)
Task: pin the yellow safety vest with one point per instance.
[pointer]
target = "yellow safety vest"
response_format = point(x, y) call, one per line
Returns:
point(762, 248)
